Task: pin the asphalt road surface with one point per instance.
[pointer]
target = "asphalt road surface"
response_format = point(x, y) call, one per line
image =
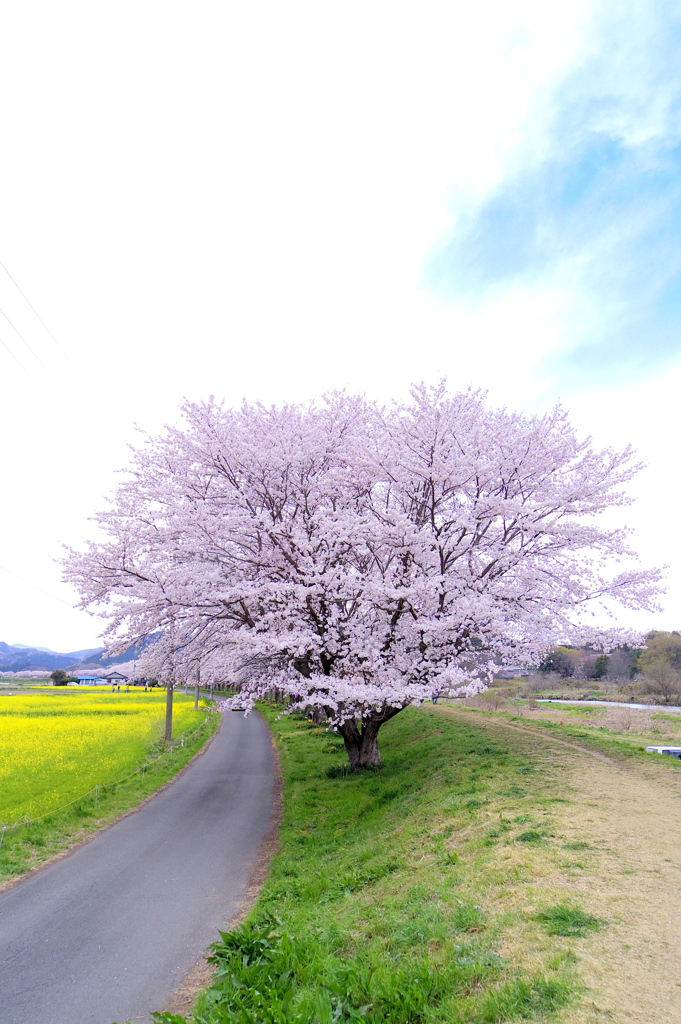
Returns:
point(109, 932)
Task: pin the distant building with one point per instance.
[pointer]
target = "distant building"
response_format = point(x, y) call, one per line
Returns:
point(89, 679)
point(115, 677)
point(512, 672)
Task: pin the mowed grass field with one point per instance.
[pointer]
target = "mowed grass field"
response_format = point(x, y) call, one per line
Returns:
point(58, 744)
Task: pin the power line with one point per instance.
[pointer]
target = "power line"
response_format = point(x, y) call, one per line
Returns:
point(35, 586)
point(17, 360)
point(26, 299)
point(18, 332)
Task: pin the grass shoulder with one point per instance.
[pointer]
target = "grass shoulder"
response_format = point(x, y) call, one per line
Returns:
point(436, 888)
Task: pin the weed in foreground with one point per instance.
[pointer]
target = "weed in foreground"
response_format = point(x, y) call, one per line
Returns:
point(523, 1000)
point(265, 975)
point(341, 771)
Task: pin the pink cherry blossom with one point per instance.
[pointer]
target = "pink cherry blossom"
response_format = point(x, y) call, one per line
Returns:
point(360, 558)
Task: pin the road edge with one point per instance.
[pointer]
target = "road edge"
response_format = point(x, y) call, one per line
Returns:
point(201, 973)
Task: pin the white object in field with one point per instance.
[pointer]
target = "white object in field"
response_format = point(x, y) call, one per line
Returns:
point(673, 751)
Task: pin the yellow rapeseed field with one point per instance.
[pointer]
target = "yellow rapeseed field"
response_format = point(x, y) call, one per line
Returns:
point(55, 746)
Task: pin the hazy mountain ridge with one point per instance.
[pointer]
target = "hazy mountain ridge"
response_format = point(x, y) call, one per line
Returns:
point(33, 647)
point(21, 658)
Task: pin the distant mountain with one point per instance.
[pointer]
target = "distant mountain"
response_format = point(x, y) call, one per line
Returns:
point(22, 658)
point(131, 654)
point(19, 659)
point(81, 655)
point(30, 647)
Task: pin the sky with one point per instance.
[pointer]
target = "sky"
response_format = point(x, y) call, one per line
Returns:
point(272, 200)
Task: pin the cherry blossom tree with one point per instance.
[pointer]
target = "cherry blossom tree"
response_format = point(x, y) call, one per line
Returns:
point(361, 558)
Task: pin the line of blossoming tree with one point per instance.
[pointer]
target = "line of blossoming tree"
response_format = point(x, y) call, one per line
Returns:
point(360, 558)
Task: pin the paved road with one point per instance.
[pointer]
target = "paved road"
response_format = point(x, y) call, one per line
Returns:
point(109, 932)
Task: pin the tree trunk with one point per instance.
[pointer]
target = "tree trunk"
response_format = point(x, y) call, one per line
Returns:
point(318, 715)
point(362, 746)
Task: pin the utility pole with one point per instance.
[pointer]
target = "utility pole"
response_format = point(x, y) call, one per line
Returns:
point(169, 707)
point(170, 683)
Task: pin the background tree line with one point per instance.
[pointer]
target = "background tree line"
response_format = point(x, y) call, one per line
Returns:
point(654, 669)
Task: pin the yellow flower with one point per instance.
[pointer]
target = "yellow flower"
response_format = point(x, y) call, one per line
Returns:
point(55, 747)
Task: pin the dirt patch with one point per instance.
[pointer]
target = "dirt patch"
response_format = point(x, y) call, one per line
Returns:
point(621, 836)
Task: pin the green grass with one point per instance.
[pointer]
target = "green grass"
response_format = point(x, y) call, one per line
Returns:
point(529, 836)
point(404, 895)
point(593, 737)
point(58, 747)
point(568, 920)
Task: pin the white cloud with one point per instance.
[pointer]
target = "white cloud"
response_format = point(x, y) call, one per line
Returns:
point(239, 199)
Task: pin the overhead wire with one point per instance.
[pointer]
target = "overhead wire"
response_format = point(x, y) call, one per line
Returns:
point(35, 311)
point(35, 586)
point(16, 359)
point(33, 380)
point(18, 332)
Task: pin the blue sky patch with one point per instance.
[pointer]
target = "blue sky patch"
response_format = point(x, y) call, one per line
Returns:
point(600, 219)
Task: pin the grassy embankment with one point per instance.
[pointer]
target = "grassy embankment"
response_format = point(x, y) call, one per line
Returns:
point(59, 745)
point(438, 888)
